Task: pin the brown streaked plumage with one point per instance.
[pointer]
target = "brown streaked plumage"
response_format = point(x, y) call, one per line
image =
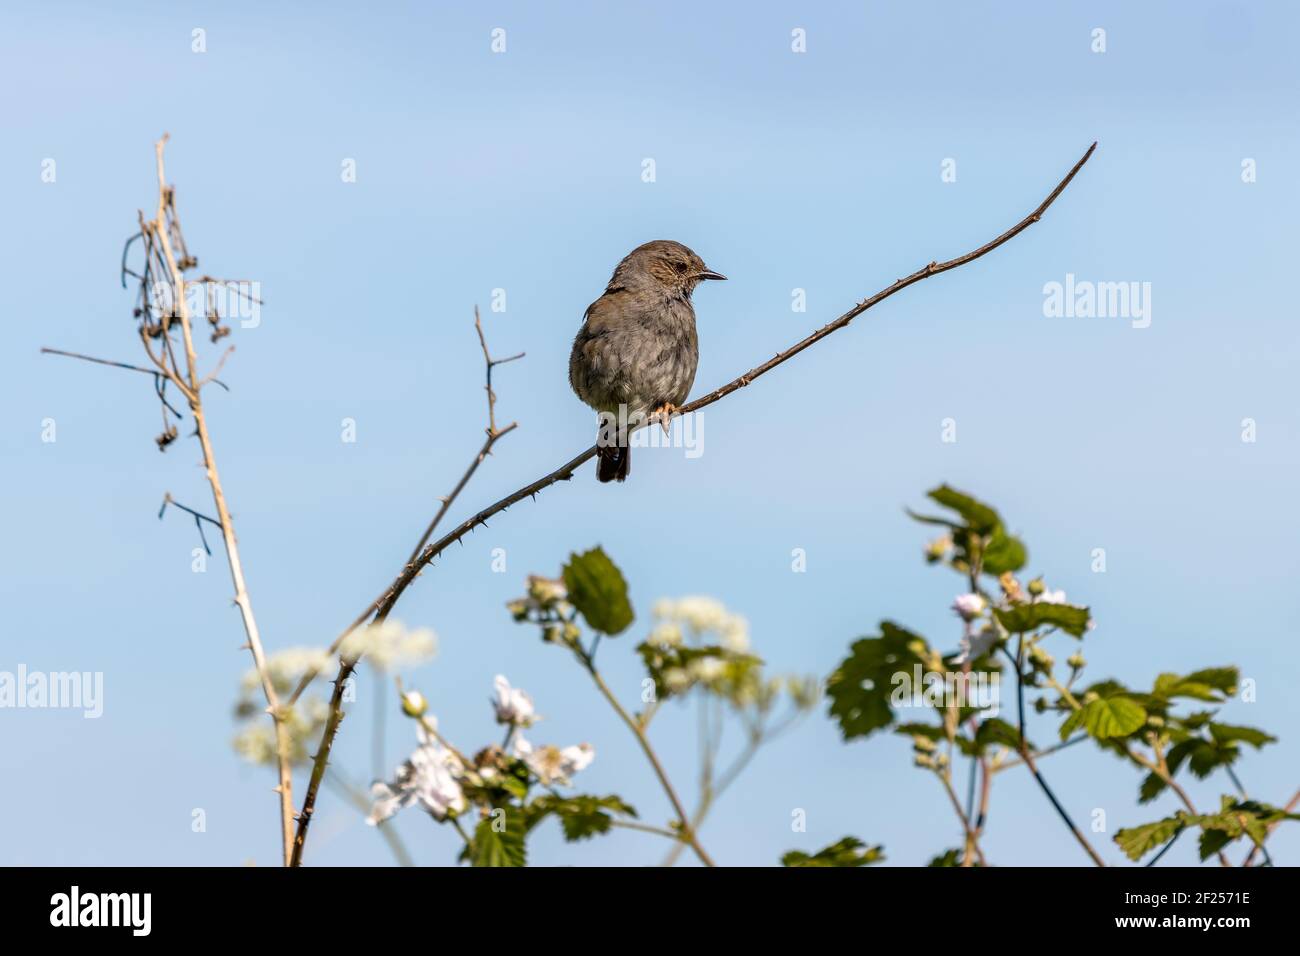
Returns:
point(637, 350)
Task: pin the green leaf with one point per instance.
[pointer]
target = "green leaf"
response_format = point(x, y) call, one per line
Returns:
point(1227, 733)
point(978, 516)
point(1071, 724)
point(598, 590)
point(1169, 686)
point(499, 839)
point(1212, 841)
point(1201, 755)
point(846, 852)
point(947, 858)
point(1023, 618)
point(581, 817)
point(1152, 786)
point(930, 731)
point(1223, 679)
point(998, 731)
point(860, 689)
point(1137, 842)
point(1004, 553)
point(1113, 717)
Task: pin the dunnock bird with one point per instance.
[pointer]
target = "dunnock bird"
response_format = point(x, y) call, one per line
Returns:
point(636, 353)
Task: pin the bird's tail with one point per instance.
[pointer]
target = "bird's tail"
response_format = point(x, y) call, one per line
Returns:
point(613, 462)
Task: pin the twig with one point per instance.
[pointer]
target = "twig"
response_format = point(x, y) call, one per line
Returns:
point(381, 611)
point(198, 518)
point(332, 721)
point(1047, 752)
point(684, 821)
point(493, 435)
point(1166, 848)
point(1028, 758)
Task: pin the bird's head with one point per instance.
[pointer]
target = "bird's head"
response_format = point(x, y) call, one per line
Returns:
point(664, 265)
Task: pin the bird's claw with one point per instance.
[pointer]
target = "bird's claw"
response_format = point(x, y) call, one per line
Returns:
point(664, 414)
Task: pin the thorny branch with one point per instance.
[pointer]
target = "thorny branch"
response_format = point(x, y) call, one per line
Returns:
point(381, 606)
point(335, 717)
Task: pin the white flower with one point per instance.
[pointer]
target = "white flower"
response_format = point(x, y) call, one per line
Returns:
point(676, 679)
point(1051, 597)
point(735, 634)
point(390, 643)
point(428, 777)
point(969, 606)
point(667, 634)
point(977, 646)
point(513, 706)
point(706, 668)
point(704, 615)
point(288, 666)
point(552, 764)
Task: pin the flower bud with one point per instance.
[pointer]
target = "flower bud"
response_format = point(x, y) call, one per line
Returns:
point(937, 550)
point(1076, 661)
point(969, 606)
point(1036, 586)
point(414, 704)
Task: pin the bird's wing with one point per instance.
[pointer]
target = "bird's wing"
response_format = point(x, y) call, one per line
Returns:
point(603, 314)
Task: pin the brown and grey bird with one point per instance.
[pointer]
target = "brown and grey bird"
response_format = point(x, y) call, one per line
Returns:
point(636, 353)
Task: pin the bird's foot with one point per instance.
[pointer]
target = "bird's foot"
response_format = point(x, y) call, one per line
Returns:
point(664, 415)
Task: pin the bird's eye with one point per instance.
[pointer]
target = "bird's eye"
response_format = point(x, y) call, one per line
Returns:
point(680, 267)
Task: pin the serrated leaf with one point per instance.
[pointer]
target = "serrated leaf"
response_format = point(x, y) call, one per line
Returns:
point(1152, 786)
point(598, 590)
point(1212, 841)
point(1137, 842)
point(1023, 618)
point(849, 851)
point(1202, 756)
point(581, 817)
point(1109, 717)
point(860, 689)
point(499, 839)
point(1227, 733)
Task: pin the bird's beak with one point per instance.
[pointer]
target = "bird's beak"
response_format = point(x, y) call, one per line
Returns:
point(709, 274)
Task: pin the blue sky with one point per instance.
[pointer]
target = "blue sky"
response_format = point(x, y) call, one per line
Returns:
point(522, 171)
